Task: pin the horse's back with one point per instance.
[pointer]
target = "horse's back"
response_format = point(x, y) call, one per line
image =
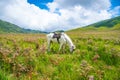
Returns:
point(55, 37)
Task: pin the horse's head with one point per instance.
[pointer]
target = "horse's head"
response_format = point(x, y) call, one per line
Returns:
point(72, 48)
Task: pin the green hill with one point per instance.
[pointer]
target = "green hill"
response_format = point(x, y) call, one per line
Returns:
point(109, 24)
point(6, 27)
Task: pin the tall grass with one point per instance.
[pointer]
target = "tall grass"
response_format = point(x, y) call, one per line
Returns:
point(25, 57)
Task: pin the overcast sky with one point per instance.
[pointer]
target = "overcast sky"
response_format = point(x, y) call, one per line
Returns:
point(51, 15)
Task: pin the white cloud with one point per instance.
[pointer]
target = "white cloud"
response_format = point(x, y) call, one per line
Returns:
point(88, 4)
point(115, 11)
point(27, 16)
point(63, 14)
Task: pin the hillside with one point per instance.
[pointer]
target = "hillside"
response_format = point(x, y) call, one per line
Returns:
point(6, 27)
point(109, 24)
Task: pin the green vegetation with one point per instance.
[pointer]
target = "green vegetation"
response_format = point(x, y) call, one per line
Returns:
point(24, 56)
point(6, 27)
point(97, 55)
point(108, 23)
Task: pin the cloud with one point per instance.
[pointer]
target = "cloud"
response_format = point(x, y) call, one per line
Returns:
point(87, 4)
point(115, 11)
point(62, 14)
point(27, 15)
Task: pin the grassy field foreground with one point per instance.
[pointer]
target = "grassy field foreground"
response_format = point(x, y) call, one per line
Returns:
point(24, 57)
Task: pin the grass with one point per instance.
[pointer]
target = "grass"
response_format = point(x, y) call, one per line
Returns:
point(25, 57)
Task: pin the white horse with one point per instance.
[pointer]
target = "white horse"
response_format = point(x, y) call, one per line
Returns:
point(61, 38)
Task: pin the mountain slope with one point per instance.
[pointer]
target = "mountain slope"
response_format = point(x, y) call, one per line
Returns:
point(6, 27)
point(109, 24)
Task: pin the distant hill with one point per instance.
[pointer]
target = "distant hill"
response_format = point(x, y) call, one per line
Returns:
point(6, 27)
point(109, 24)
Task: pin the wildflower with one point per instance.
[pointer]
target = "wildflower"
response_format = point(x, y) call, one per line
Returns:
point(84, 63)
point(91, 77)
point(96, 57)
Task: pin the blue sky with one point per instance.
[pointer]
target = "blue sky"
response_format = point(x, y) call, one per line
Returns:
point(40, 3)
point(43, 4)
point(52, 15)
point(115, 3)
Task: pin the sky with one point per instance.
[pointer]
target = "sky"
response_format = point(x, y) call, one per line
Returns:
point(52, 15)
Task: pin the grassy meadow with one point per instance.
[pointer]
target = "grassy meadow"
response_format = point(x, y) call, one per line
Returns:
point(25, 57)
